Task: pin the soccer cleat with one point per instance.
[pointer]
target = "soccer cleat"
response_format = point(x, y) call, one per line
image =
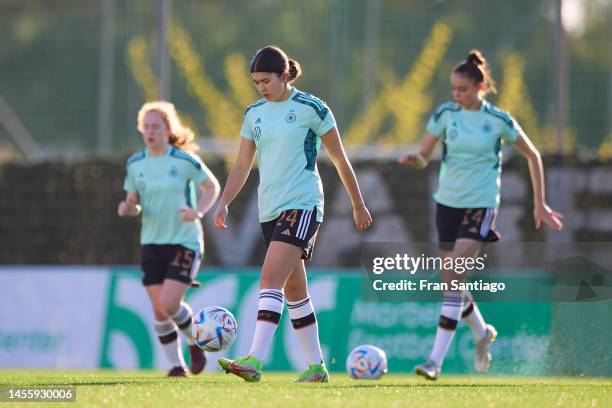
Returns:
point(248, 368)
point(429, 370)
point(316, 373)
point(177, 371)
point(198, 359)
point(483, 355)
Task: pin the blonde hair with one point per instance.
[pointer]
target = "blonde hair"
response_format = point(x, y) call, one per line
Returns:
point(181, 136)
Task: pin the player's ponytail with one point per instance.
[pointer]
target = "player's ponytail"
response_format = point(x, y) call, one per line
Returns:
point(476, 68)
point(181, 137)
point(273, 59)
point(295, 70)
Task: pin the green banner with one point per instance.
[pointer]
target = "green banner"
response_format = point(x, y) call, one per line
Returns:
point(404, 330)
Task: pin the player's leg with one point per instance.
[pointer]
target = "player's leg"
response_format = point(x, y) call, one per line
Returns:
point(183, 267)
point(470, 313)
point(153, 269)
point(166, 332)
point(450, 312)
point(484, 333)
point(479, 224)
point(303, 319)
point(289, 238)
point(281, 258)
point(472, 316)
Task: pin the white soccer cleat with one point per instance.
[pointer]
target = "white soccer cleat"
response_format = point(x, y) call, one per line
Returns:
point(483, 355)
point(429, 370)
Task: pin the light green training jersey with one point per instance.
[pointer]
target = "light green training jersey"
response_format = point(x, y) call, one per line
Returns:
point(166, 184)
point(287, 135)
point(471, 159)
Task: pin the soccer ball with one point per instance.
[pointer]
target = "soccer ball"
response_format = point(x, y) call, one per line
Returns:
point(214, 328)
point(366, 362)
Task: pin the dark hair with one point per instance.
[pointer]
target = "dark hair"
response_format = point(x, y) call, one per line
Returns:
point(476, 68)
point(272, 59)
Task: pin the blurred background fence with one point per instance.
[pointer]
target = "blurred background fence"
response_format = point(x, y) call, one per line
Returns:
point(74, 74)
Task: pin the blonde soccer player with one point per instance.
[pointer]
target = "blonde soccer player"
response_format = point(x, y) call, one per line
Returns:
point(160, 184)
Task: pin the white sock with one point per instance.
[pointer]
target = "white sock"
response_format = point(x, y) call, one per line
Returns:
point(472, 316)
point(268, 316)
point(183, 318)
point(168, 338)
point(450, 314)
point(307, 329)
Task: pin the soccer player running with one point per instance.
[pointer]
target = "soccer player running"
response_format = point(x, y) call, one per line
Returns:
point(285, 129)
point(468, 195)
point(160, 184)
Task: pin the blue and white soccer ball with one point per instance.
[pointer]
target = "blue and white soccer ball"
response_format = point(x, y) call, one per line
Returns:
point(366, 362)
point(214, 328)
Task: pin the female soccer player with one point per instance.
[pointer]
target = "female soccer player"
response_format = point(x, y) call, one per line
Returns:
point(285, 129)
point(159, 182)
point(472, 131)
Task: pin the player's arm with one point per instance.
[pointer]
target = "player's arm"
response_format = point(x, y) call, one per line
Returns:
point(129, 207)
point(236, 179)
point(333, 145)
point(541, 211)
point(420, 159)
point(211, 189)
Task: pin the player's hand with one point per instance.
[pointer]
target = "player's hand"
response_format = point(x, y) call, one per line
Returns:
point(362, 217)
point(219, 217)
point(124, 209)
point(544, 214)
point(414, 159)
point(190, 214)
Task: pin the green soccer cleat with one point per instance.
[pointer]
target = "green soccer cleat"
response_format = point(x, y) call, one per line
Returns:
point(316, 373)
point(248, 368)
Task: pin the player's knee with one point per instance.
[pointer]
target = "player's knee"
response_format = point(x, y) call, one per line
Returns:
point(160, 312)
point(170, 307)
point(295, 292)
point(267, 282)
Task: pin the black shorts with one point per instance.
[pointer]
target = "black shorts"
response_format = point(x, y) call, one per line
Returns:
point(176, 262)
point(295, 227)
point(473, 223)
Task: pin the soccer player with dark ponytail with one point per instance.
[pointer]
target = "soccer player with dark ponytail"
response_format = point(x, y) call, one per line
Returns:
point(285, 130)
point(472, 131)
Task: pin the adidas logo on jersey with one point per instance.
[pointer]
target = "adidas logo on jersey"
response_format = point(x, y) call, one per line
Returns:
point(286, 232)
point(258, 120)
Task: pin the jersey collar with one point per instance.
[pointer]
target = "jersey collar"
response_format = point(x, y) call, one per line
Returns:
point(169, 149)
point(294, 91)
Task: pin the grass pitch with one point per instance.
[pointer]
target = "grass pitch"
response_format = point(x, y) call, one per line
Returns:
point(152, 389)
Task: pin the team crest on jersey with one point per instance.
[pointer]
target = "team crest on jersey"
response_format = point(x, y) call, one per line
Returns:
point(141, 186)
point(452, 134)
point(487, 127)
point(290, 118)
point(257, 132)
point(173, 172)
